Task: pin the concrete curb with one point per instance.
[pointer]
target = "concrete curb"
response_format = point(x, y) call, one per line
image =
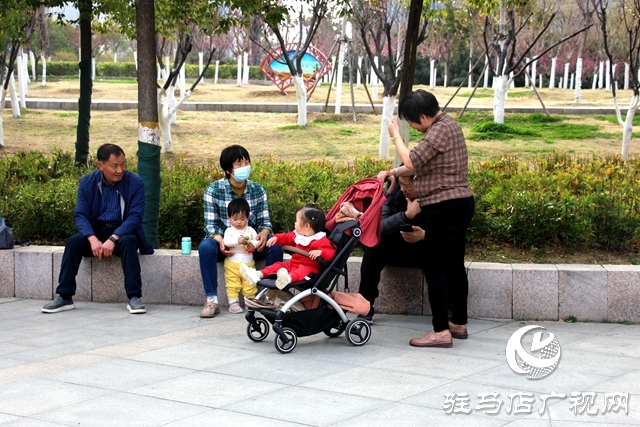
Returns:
point(506, 291)
point(292, 108)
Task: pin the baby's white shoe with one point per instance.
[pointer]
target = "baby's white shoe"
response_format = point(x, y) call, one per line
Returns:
point(283, 278)
point(250, 274)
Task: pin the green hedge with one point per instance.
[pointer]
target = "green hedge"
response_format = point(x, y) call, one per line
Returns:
point(556, 199)
point(128, 69)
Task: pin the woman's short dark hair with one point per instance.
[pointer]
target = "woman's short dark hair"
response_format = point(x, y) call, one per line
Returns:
point(313, 215)
point(417, 103)
point(231, 154)
point(105, 151)
point(238, 206)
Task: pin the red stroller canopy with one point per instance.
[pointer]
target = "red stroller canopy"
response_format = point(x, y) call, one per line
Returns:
point(367, 196)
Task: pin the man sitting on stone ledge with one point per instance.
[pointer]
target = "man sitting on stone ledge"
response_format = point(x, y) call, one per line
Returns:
point(108, 214)
point(401, 243)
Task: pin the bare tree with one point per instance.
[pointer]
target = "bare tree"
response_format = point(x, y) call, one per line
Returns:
point(308, 16)
point(511, 62)
point(628, 14)
point(378, 24)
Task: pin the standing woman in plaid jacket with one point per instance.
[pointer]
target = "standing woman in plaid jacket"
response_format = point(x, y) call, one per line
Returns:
point(439, 164)
point(236, 164)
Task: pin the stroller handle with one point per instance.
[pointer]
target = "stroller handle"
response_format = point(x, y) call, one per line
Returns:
point(319, 260)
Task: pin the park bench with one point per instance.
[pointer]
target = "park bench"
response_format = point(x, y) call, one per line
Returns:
point(506, 291)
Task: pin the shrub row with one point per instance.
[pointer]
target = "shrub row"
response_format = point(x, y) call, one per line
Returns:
point(128, 70)
point(556, 199)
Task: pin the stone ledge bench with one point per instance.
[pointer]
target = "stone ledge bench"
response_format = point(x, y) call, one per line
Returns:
point(506, 291)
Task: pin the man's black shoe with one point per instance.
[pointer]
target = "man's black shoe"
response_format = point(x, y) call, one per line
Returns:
point(368, 317)
point(58, 304)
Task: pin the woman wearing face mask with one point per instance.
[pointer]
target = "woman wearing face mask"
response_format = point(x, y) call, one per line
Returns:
point(236, 164)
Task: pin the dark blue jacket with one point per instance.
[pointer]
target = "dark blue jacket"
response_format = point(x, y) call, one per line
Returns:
point(394, 218)
point(131, 192)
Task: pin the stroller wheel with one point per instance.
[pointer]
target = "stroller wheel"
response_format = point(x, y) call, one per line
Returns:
point(258, 331)
point(286, 347)
point(335, 331)
point(358, 332)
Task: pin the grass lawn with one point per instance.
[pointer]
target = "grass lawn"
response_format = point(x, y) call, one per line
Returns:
point(200, 136)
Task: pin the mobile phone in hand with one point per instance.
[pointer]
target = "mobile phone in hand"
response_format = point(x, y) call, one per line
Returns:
point(406, 228)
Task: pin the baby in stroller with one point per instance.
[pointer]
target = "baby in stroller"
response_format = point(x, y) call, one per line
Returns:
point(314, 290)
point(307, 236)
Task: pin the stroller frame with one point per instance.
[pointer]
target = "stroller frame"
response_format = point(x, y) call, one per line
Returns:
point(358, 331)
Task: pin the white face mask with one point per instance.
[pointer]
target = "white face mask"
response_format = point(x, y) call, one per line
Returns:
point(242, 174)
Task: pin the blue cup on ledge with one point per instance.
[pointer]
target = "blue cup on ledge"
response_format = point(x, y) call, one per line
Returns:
point(186, 245)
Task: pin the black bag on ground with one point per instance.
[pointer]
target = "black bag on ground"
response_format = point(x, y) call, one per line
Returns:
point(6, 236)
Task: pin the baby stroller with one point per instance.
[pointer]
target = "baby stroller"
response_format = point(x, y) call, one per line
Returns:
point(321, 312)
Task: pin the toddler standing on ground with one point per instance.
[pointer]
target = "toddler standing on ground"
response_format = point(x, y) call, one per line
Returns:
point(308, 236)
point(241, 240)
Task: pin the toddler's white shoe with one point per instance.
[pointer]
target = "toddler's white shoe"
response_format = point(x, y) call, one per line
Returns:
point(250, 274)
point(283, 278)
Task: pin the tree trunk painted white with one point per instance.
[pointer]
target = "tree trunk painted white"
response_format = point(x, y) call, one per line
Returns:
point(93, 68)
point(405, 131)
point(486, 72)
point(432, 67)
point(613, 73)
point(165, 115)
point(501, 86)
point(513, 84)
point(148, 135)
point(388, 106)
point(566, 75)
point(595, 82)
point(470, 78)
point(171, 102)
point(628, 126)
point(578, 91)
point(166, 69)
point(374, 81)
point(44, 69)
point(540, 84)
point(527, 74)
point(25, 64)
point(560, 83)
point(215, 76)
point(21, 83)
point(135, 60)
point(3, 94)
point(115, 56)
point(552, 76)
point(571, 84)
point(200, 62)
point(15, 104)
point(245, 69)
point(32, 60)
point(239, 71)
point(600, 74)
point(534, 66)
point(181, 80)
point(607, 76)
point(343, 47)
point(446, 73)
point(626, 76)
point(358, 74)
point(435, 76)
point(164, 120)
point(301, 97)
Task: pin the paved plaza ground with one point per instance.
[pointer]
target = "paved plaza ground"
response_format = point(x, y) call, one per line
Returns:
point(100, 366)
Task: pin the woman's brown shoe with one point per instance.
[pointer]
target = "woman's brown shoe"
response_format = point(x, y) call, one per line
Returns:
point(433, 340)
point(458, 331)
